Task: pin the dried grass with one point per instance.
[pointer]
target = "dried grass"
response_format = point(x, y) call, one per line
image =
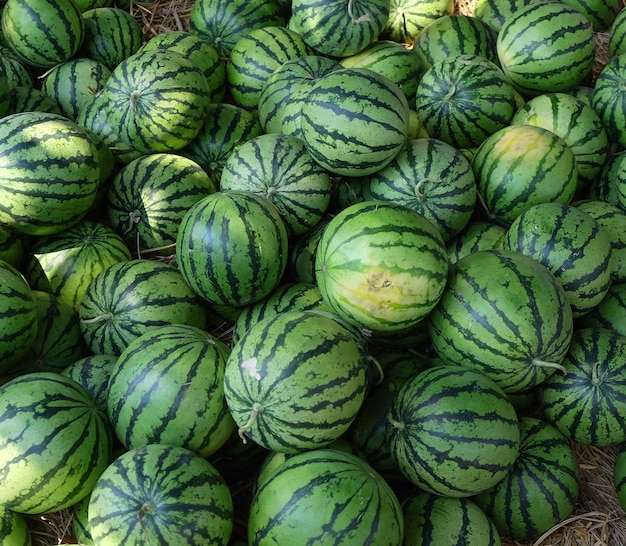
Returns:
point(598, 519)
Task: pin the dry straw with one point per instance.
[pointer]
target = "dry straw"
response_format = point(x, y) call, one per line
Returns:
point(598, 519)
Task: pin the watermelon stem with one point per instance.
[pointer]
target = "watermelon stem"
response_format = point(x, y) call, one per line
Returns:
point(381, 374)
point(256, 409)
point(595, 378)
point(397, 424)
point(546, 364)
point(99, 318)
point(134, 98)
point(363, 19)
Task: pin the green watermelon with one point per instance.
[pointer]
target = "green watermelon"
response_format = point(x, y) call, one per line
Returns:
point(55, 443)
point(325, 496)
point(280, 169)
point(49, 172)
point(295, 381)
point(130, 297)
point(609, 98)
point(93, 373)
point(619, 477)
point(14, 528)
point(610, 185)
point(617, 35)
point(434, 179)
point(540, 490)
point(496, 12)
point(301, 266)
point(503, 314)
point(18, 73)
point(453, 431)
point(160, 494)
point(407, 18)
point(601, 13)
point(588, 403)
point(546, 47)
point(231, 248)
point(13, 247)
point(610, 312)
point(381, 266)
point(30, 99)
point(477, 235)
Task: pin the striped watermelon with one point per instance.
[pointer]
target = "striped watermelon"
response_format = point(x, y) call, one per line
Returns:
point(295, 296)
point(231, 248)
point(617, 35)
point(381, 266)
point(325, 496)
point(160, 494)
point(521, 166)
point(478, 235)
point(576, 123)
point(225, 128)
point(64, 264)
point(254, 58)
point(540, 490)
point(452, 35)
point(464, 99)
point(432, 519)
point(343, 136)
point(203, 54)
point(14, 528)
point(496, 12)
point(49, 172)
point(453, 431)
point(43, 34)
point(284, 92)
point(222, 22)
point(55, 443)
point(148, 198)
point(13, 247)
point(434, 179)
point(280, 169)
point(31, 99)
point(505, 315)
point(301, 266)
point(167, 387)
point(601, 13)
point(156, 101)
point(18, 316)
point(289, 390)
point(335, 29)
point(610, 312)
point(111, 35)
point(546, 47)
point(73, 83)
point(407, 18)
point(610, 185)
point(59, 338)
point(619, 477)
point(588, 403)
point(609, 98)
point(18, 73)
point(130, 297)
point(392, 60)
point(93, 373)
point(572, 245)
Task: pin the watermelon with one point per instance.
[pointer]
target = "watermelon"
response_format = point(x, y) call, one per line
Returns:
point(295, 381)
point(280, 169)
point(407, 18)
point(18, 316)
point(325, 495)
point(347, 138)
point(284, 92)
point(432, 519)
point(111, 35)
point(222, 22)
point(610, 185)
point(43, 34)
point(572, 245)
point(93, 373)
point(453, 431)
point(610, 312)
point(130, 297)
point(31, 99)
point(546, 47)
point(13, 247)
point(434, 179)
point(73, 83)
point(254, 58)
point(477, 235)
point(503, 314)
point(203, 54)
point(17, 72)
point(496, 12)
point(541, 489)
point(521, 166)
point(156, 101)
point(619, 477)
point(381, 266)
point(576, 123)
point(225, 128)
point(464, 99)
point(175, 374)
point(55, 443)
point(49, 172)
point(336, 29)
point(148, 198)
point(588, 404)
point(231, 248)
point(609, 98)
point(14, 528)
point(301, 266)
point(64, 264)
point(601, 13)
point(617, 35)
point(160, 494)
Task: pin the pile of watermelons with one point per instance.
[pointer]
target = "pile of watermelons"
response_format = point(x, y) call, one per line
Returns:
point(309, 272)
